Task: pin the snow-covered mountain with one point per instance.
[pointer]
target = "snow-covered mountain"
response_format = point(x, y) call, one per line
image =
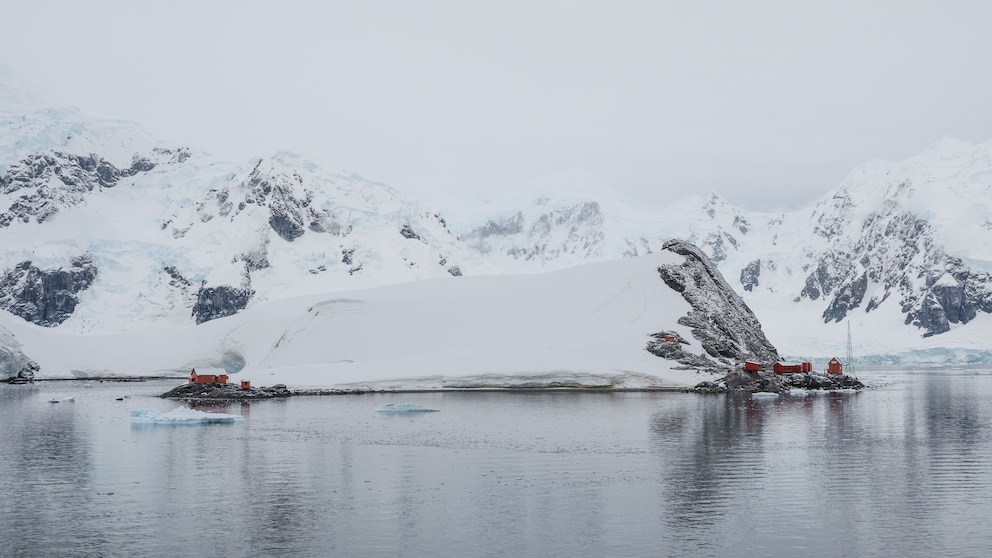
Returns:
point(104, 229)
point(899, 249)
point(596, 325)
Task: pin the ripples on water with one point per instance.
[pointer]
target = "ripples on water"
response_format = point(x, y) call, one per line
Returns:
point(902, 470)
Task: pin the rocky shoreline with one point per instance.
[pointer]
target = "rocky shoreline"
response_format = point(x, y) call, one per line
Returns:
point(769, 382)
point(225, 392)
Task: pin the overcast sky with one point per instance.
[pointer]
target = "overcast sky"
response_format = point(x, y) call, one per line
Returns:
point(769, 104)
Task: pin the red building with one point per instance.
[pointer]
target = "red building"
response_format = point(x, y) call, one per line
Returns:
point(797, 368)
point(835, 366)
point(209, 376)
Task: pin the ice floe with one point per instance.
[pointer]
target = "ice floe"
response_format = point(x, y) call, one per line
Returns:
point(181, 415)
point(405, 408)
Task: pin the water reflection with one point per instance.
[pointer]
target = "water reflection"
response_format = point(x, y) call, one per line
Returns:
point(903, 470)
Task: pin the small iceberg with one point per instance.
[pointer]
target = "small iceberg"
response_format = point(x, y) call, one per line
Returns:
point(181, 415)
point(763, 394)
point(405, 408)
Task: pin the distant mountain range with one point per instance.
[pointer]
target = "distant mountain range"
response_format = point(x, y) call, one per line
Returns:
point(105, 229)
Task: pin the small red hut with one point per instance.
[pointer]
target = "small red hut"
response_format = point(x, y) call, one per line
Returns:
point(208, 376)
point(835, 366)
point(752, 366)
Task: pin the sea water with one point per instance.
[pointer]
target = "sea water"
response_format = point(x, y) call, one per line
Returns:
point(902, 469)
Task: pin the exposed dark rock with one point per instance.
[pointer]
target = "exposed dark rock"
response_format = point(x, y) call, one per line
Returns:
point(218, 302)
point(45, 298)
point(224, 392)
point(750, 275)
point(285, 224)
point(895, 247)
point(741, 381)
point(346, 255)
point(290, 214)
point(720, 320)
point(455, 271)
point(674, 350)
point(408, 232)
point(51, 181)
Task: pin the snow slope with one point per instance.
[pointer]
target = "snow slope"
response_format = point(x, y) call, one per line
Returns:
point(583, 326)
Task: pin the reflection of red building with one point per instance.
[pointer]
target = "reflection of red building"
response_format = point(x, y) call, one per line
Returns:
point(209, 376)
point(835, 366)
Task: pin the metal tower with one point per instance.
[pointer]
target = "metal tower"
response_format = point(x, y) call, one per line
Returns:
point(849, 365)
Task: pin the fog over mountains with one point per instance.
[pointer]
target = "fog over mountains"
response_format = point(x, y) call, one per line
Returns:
point(104, 229)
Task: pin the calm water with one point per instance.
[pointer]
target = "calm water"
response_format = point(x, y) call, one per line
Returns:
point(900, 470)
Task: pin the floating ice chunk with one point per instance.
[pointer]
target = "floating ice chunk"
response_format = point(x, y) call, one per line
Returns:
point(763, 394)
point(405, 408)
point(799, 392)
point(181, 415)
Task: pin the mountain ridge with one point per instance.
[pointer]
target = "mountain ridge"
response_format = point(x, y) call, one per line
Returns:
point(176, 236)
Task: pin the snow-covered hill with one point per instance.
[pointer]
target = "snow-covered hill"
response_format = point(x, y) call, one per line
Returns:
point(585, 326)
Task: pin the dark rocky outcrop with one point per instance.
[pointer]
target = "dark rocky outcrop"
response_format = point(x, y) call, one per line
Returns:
point(224, 392)
point(895, 249)
point(218, 302)
point(407, 232)
point(45, 183)
point(750, 275)
point(741, 381)
point(45, 298)
point(671, 346)
point(291, 206)
point(720, 320)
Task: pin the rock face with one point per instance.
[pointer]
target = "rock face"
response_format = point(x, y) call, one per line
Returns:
point(45, 298)
point(42, 184)
point(719, 319)
point(221, 392)
point(15, 366)
point(739, 381)
point(218, 302)
point(897, 253)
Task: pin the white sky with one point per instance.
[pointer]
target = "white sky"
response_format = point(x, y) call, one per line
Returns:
point(769, 104)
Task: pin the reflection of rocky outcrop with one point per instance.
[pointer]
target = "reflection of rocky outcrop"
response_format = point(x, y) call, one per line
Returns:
point(218, 302)
point(45, 298)
point(15, 366)
point(719, 319)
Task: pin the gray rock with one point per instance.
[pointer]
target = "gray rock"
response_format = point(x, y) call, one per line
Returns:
point(720, 320)
point(218, 302)
point(45, 298)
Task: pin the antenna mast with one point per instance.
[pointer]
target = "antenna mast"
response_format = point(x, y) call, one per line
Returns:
point(850, 352)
